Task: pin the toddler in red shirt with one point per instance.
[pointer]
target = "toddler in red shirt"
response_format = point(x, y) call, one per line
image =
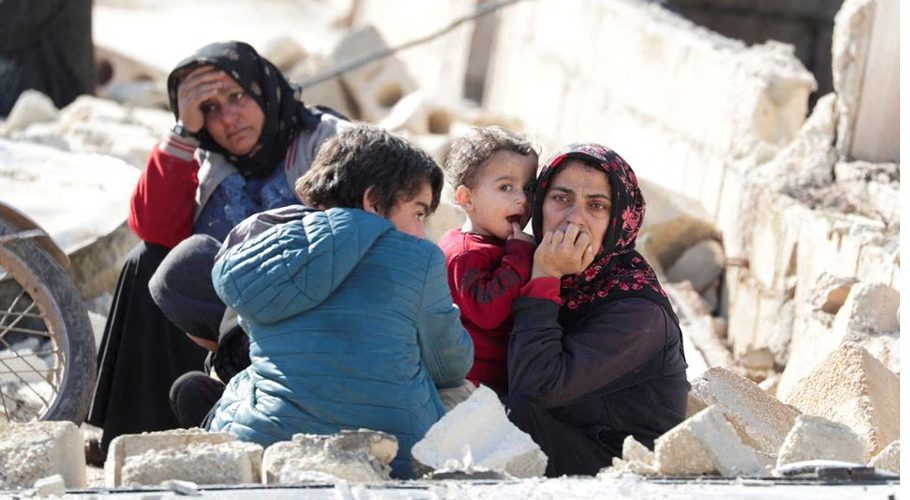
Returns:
point(491, 171)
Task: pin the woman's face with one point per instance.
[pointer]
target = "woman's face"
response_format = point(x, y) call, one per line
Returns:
point(410, 216)
point(581, 195)
point(233, 118)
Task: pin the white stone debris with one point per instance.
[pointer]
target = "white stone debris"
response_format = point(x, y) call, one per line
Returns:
point(478, 432)
point(377, 86)
point(817, 438)
point(166, 447)
point(32, 451)
point(853, 388)
point(359, 456)
point(50, 486)
point(760, 420)
point(31, 107)
point(202, 463)
point(705, 443)
point(889, 459)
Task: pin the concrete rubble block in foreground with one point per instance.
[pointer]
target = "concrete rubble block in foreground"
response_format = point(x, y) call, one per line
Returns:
point(636, 458)
point(129, 445)
point(361, 455)
point(31, 107)
point(478, 433)
point(33, 451)
point(200, 463)
point(377, 86)
point(817, 438)
point(868, 315)
point(853, 388)
point(888, 459)
point(704, 444)
point(760, 420)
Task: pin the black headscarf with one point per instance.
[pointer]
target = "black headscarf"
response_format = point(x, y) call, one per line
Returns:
point(285, 115)
point(617, 271)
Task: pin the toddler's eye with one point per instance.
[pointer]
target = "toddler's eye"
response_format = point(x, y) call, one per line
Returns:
point(505, 187)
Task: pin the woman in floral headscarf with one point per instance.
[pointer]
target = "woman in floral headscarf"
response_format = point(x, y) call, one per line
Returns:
point(242, 139)
point(596, 352)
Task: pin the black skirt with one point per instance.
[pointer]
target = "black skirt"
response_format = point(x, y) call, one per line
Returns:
point(140, 356)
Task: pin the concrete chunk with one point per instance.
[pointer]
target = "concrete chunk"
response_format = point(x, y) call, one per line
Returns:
point(377, 86)
point(817, 438)
point(760, 420)
point(203, 463)
point(632, 450)
point(699, 264)
point(128, 445)
point(31, 107)
point(853, 388)
point(704, 444)
point(32, 451)
point(361, 456)
point(478, 432)
point(888, 459)
point(51, 485)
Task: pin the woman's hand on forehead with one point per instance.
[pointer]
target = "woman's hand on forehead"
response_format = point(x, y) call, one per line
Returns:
point(199, 85)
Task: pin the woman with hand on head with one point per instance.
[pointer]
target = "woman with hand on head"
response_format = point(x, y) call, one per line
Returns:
point(596, 352)
point(241, 140)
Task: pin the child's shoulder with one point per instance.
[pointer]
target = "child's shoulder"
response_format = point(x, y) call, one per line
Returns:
point(456, 242)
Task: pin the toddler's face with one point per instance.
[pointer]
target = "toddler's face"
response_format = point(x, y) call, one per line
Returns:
point(501, 194)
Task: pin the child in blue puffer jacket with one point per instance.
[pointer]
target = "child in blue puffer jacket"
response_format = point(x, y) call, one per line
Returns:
point(349, 316)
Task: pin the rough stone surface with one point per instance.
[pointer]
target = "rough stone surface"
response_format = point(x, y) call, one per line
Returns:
point(31, 107)
point(377, 86)
point(29, 452)
point(128, 445)
point(632, 450)
point(203, 463)
point(868, 316)
point(698, 328)
point(817, 438)
point(360, 456)
point(865, 64)
point(853, 388)
point(760, 420)
point(478, 432)
point(889, 459)
point(50, 486)
point(701, 264)
point(705, 443)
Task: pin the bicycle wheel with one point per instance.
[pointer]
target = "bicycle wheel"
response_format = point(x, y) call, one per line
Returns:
point(47, 350)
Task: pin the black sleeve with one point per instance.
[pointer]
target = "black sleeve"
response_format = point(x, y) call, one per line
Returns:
point(612, 342)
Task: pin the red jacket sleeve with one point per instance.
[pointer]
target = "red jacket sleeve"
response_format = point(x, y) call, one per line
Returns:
point(485, 290)
point(161, 209)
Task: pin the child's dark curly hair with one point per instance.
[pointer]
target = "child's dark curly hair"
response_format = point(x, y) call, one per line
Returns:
point(472, 150)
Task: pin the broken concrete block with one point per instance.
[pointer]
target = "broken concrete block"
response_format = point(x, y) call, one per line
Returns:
point(698, 329)
point(853, 388)
point(865, 64)
point(327, 92)
point(817, 438)
point(700, 264)
point(32, 451)
point(361, 456)
point(889, 459)
point(50, 486)
point(377, 86)
point(31, 107)
point(760, 420)
point(705, 443)
point(868, 316)
point(283, 51)
point(633, 451)
point(478, 432)
point(202, 463)
point(128, 445)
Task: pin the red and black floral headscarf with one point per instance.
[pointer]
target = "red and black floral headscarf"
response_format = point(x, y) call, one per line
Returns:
point(285, 115)
point(618, 271)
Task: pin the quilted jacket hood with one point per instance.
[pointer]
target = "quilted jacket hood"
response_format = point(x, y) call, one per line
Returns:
point(294, 267)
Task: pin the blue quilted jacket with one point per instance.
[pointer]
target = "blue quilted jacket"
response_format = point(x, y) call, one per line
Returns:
point(351, 325)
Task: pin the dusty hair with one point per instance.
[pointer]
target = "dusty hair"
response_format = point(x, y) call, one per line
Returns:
point(472, 150)
point(365, 156)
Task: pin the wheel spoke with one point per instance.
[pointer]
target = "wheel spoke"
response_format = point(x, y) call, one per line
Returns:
point(17, 373)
